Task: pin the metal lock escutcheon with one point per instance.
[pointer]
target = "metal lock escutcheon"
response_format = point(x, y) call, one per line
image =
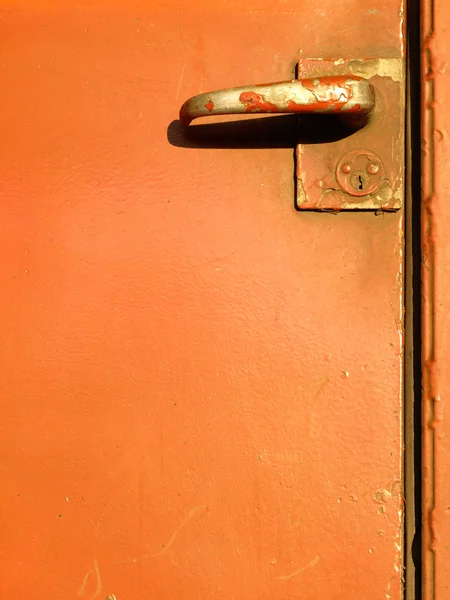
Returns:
point(365, 170)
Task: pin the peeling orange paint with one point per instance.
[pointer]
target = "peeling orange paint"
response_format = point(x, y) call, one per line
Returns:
point(256, 103)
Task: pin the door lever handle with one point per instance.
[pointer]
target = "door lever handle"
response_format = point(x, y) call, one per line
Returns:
point(338, 95)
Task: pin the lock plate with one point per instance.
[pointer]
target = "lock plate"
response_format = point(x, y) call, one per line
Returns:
point(363, 169)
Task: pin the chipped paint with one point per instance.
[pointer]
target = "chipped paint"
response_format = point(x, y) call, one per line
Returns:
point(368, 68)
point(334, 95)
point(301, 194)
point(256, 103)
point(325, 94)
point(293, 106)
point(379, 67)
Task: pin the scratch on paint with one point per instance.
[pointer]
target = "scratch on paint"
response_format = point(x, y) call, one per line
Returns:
point(183, 68)
point(180, 80)
point(196, 511)
point(103, 515)
point(99, 587)
point(320, 386)
point(85, 580)
point(313, 563)
point(219, 258)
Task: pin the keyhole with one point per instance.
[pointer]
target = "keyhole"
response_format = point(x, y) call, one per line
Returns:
point(359, 182)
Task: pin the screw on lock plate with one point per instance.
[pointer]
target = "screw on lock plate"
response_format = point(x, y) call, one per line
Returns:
point(360, 173)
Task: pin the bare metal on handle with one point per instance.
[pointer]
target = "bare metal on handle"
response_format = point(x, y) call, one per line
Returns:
point(319, 95)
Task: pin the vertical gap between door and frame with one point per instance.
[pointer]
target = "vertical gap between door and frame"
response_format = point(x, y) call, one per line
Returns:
point(413, 309)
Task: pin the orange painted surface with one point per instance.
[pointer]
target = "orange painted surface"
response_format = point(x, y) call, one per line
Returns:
point(436, 302)
point(201, 386)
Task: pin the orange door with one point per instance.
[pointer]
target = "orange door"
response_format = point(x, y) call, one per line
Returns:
point(201, 385)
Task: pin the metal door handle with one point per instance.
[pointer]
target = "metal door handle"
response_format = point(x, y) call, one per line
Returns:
point(319, 95)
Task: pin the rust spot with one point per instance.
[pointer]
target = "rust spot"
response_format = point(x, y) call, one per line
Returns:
point(256, 103)
point(209, 106)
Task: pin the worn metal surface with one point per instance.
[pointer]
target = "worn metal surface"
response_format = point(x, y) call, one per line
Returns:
point(329, 187)
point(436, 300)
point(360, 173)
point(201, 387)
point(352, 95)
